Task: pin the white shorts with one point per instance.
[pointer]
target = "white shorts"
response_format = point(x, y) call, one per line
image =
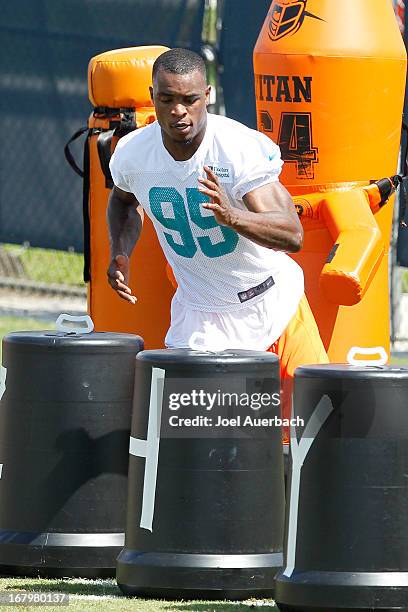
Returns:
point(255, 327)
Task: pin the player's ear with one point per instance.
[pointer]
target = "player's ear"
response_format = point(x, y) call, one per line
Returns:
point(207, 95)
point(151, 94)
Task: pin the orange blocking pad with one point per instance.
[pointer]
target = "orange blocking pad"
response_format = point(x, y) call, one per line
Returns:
point(330, 83)
point(358, 244)
point(120, 80)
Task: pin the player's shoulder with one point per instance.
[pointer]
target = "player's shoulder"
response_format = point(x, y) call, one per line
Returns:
point(138, 148)
point(238, 140)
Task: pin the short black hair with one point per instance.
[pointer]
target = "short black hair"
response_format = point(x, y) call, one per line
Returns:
point(179, 61)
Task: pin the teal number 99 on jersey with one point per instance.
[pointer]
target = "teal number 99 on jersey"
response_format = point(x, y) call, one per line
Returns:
point(181, 223)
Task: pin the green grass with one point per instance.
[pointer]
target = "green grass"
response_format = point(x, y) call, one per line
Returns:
point(11, 324)
point(104, 595)
point(209, 30)
point(48, 265)
point(404, 280)
point(399, 361)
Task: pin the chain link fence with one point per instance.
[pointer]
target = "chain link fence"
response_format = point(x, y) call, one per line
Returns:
point(46, 47)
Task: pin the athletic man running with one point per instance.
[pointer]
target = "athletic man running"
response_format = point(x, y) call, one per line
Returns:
point(211, 187)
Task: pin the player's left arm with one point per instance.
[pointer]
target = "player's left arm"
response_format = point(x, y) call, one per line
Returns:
point(270, 219)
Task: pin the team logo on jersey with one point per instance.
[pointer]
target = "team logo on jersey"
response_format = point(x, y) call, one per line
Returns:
point(286, 17)
point(222, 170)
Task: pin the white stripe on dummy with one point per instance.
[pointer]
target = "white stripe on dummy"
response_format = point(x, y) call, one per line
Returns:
point(299, 451)
point(149, 448)
point(3, 375)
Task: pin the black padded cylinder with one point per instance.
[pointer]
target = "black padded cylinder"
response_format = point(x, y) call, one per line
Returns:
point(346, 542)
point(64, 432)
point(216, 526)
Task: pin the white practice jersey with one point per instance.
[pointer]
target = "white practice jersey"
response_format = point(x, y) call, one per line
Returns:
point(217, 269)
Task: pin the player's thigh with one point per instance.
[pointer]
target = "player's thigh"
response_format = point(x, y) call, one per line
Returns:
point(300, 344)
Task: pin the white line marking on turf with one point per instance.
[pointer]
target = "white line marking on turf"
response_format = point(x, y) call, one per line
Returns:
point(93, 581)
point(95, 597)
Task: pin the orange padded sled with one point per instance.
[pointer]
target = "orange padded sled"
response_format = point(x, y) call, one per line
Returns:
point(330, 82)
point(118, 87)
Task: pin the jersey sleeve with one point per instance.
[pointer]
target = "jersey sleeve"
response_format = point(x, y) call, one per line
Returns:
point(115, 167)
point(261, 164)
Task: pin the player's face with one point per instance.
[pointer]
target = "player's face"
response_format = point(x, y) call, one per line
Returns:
point(180, 101)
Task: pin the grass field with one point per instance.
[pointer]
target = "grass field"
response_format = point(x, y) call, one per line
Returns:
point(11, 324)
point(104, 595)
point(48, 265)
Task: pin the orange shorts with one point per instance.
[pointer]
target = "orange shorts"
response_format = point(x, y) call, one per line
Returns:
point(300, 344)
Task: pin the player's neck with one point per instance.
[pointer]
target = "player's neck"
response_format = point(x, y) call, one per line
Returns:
point(182, 151)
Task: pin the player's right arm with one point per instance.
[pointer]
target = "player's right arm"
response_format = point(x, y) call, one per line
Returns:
point(125, 219)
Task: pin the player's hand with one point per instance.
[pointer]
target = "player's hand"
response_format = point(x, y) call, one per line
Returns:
point(224, 213)
point(118, 278)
